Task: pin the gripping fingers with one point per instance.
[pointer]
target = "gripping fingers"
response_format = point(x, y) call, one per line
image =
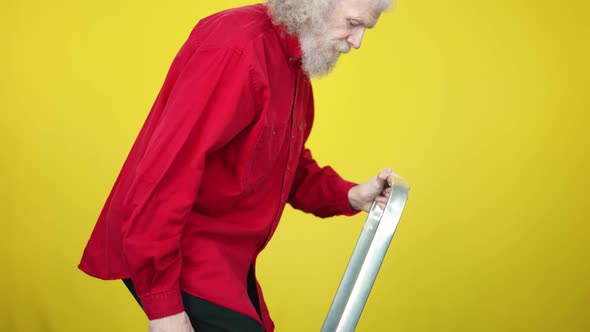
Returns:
point(381, 201)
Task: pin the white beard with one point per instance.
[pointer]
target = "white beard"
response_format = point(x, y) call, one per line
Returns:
point(320, 56)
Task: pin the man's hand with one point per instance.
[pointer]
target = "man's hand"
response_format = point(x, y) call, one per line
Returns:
point(174, 323)
point(378, 188)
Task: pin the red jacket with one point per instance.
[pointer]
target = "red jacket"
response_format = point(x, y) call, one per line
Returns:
point(219, 156)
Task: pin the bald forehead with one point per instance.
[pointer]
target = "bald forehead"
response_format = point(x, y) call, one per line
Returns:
point(367, 12)
point(377, 5)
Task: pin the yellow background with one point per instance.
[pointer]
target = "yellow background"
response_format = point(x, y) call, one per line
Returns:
point(481, 105)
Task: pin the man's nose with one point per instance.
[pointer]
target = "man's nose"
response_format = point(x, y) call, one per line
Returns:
point(356, 38)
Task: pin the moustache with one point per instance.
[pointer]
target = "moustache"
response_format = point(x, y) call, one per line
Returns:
point(343, 47)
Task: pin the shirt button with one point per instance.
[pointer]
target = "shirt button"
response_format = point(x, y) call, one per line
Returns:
point(290, 59)
point(274, 132)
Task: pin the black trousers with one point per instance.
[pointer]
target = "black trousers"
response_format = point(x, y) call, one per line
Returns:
point(208, 317)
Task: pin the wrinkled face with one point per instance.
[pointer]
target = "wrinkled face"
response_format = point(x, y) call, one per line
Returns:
point(344, 28)
point(348, 21)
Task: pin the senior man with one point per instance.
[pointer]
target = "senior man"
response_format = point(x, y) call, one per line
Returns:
point(218, 158)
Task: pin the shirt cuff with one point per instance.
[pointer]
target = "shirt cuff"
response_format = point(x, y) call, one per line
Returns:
point(162, 304)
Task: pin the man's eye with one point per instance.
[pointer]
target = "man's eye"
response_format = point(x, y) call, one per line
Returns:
point(352, 23)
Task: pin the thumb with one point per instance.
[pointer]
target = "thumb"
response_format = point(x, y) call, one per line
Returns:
point(383, 175)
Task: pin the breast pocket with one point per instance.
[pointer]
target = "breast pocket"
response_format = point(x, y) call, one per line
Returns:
point(271, 143)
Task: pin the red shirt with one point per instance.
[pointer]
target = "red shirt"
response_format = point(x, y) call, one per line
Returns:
point(219, 156)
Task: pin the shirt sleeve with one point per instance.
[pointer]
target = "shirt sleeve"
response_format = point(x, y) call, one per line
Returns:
point(320, 190)
point(207, 99)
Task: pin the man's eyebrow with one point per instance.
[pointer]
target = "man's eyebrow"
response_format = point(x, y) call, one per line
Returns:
point(364, 23)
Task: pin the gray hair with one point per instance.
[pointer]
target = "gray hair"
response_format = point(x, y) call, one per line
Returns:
point(306, 19)
point(301, 15)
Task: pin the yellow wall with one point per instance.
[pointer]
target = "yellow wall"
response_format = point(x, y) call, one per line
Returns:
point(481, 105)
